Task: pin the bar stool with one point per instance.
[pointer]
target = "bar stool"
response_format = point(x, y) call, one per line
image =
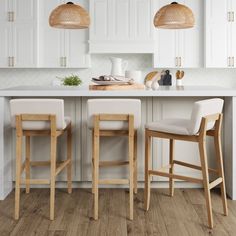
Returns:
point(206, 120)
point(114, 117)
point(39, 117)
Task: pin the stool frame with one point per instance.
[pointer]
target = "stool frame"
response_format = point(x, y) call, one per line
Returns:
point(200, 138)
point(55, 168)
point(132, 162)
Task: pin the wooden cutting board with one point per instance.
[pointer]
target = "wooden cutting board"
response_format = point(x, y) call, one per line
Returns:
point(116, 87)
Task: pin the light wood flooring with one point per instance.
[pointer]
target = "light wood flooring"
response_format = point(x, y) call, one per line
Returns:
point(184, 214)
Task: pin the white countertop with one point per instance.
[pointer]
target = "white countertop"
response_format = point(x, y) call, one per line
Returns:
point(163, 91)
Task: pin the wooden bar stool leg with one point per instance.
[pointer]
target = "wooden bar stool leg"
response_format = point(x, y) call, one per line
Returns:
point(205, 175)
point(53, 176)
point(171, 180)
point(219, 158)
point(131, 167)
point(93, 186)
point(27, 163)
point(147, 168)
point(96, 164)
point(69, 166)
point(18, 174)
point(135, 165)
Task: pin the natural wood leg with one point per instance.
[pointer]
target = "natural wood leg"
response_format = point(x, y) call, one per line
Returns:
point(131, 177)
point(147, 168)
point(27, 162)
point(18, 175)
point(171, 180)
point(53, 172)
point(205, 175)
point(93, 186)
point(69, 166)
point(219, 158)
point(96, 173)
point(135, 165)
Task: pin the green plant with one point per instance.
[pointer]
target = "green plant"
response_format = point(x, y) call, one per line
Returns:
point(72, 80)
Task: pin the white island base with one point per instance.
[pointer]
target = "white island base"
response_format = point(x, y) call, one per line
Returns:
point(166, 102)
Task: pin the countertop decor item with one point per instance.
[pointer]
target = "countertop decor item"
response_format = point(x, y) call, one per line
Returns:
point(112, 80)
point(149, 79)
point(179, 77)
point(69, 16)
point(174, 16)
point(136, 75)
point(117, 87)
point(118, 66)
point(72, 80)
point(166, 78)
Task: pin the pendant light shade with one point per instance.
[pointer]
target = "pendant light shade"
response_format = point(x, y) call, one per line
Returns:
point(69, 16)
point(174, 16)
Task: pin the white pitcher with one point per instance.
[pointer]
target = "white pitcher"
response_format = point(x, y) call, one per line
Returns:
point(118, 66)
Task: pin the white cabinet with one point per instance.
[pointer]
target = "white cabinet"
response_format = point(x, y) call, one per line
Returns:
point(123, 26)
point(18, 27)
point(58, 47)
point(180, 48)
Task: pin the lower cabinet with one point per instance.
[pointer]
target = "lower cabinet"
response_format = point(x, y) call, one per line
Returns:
point(116, 148)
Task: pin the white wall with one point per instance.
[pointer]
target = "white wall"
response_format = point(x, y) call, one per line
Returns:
point(101, 65)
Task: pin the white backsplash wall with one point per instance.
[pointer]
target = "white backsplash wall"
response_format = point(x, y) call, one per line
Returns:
point(101, 65)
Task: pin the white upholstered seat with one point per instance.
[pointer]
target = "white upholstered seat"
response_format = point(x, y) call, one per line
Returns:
point(114, 106)
point(189, 126)
point(39, 106)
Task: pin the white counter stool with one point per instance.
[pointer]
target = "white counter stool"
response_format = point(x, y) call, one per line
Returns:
point(114, 117)
point(206, 120)
point(40, 117)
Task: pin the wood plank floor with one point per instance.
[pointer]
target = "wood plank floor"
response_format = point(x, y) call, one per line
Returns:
point(184, 214)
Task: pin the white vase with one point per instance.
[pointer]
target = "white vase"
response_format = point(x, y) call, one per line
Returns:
point(118, 66)
point(179, 82)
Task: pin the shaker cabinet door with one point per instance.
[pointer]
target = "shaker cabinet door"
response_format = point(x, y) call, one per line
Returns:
point(233, 33)
point(217, 34)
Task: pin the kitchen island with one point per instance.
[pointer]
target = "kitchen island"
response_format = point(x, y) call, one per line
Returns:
point(163, 103)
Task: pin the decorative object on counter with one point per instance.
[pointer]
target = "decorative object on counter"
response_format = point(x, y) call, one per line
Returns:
point(69, 16)
point(117, 87)
point(136, 75)
point(72, 80)
point(149, 79)
point(179, 77)
point(174, 16)
point(112, 80)
point(166, 78)
point(155, 84)
point(118, 66)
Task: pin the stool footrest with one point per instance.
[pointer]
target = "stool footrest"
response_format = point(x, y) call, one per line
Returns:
point(35, 181)
point(174, 176)
point(112, 163)
point(215, 182)
point(61, 166)
point(113, 181)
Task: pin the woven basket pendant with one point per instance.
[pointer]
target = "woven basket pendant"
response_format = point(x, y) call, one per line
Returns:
point(174, 16)
point(69, 16)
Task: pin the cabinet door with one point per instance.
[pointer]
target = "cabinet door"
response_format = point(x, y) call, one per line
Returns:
point(217, 30)
point(51, 40)
point(191, 40)
point(24, 32)
point(76, 45)
point(233, 33)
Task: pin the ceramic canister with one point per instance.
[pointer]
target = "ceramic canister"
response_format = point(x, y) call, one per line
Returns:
point(136, 75)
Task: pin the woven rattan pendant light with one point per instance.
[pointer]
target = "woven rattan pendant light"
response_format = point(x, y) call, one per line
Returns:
point(174, 16)
point(69, 16)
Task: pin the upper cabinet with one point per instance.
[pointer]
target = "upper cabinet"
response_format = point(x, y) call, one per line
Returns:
point(180, 48)
point(59, 48)
point(18, 29)
point(220, 35)
point(123, 26)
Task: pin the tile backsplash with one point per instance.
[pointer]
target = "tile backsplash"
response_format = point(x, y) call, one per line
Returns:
point(101, 65)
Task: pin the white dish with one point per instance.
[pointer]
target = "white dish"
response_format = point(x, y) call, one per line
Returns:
point(111, 82)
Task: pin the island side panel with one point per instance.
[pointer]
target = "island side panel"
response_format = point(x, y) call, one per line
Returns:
point(5, 149)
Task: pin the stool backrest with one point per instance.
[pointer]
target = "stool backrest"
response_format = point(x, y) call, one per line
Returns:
point(114, 106)
point(38, 106)
point(204, 108)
